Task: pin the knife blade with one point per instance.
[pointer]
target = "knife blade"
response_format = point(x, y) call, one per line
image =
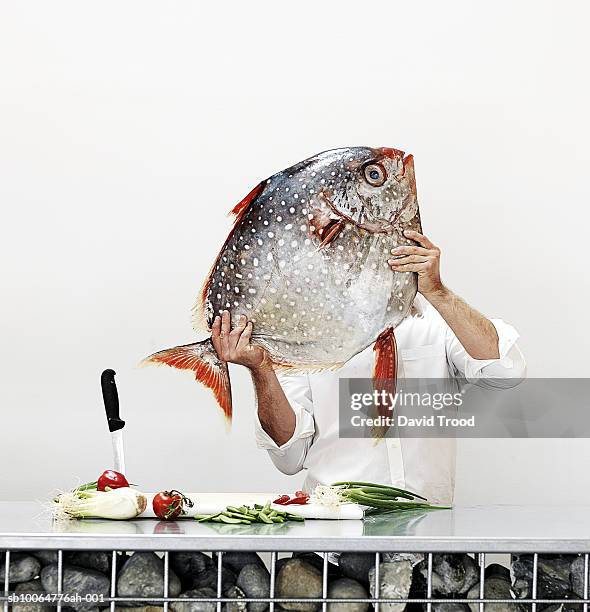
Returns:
point(111, 404)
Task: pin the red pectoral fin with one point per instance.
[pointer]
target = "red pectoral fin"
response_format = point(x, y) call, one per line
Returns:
point(330, 232)
point(385, 370)
point(325, 225)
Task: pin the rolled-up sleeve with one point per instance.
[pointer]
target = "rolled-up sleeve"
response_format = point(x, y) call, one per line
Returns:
point(505, 372)
point(290, 456)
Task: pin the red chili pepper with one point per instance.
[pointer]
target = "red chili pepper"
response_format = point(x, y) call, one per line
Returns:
point(283, 499)
point(301, 494)
point(296, 501)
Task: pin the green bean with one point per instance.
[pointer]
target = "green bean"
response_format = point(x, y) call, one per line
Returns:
point(208, 517)
point(245, 515)
point(241, 516)
point(230, 520)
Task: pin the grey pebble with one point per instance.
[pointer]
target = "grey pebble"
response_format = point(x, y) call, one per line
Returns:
point(31, 587)
point(395, 580)
point(208, 578)
point(298, 578)
point(495, 587)
point(357, 565)
point(553, 578)
point(450, 607)
point(235, 606)
point(76, 581)
point(23, 567)
point(347, 588)
point(452, 574)
point(142, 575)
point(45, 556)
point(190, 563)
point(194, 606)
point(495, 570)
point(254, 581)
point(96, 560)
point(577, 576)
point(236, 560)
point(140, 609)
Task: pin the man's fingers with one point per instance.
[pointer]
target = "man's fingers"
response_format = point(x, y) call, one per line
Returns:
point(413, 267)
point(245, 337)
point(224, 332)
point(239, 328)
point(406, 260)
point(420, 239)
point(225, 323)
point(215, 331)
point(410, 250)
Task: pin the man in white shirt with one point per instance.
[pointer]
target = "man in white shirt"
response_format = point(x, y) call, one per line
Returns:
point(297, 419)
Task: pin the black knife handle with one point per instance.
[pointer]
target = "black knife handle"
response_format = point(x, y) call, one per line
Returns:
point(111, 400)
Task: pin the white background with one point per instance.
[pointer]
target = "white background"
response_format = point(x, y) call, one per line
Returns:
point(128, 130)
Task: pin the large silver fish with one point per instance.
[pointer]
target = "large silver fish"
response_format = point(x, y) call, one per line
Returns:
point(306, 262)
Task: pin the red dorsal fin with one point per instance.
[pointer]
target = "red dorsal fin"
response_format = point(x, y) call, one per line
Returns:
point(242, 206)
point(385, 370)
point(239, 210)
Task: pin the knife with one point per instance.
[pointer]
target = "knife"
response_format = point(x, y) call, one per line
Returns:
point(111, 405)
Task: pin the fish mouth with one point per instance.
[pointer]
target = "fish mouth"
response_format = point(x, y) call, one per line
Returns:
point(395, 154)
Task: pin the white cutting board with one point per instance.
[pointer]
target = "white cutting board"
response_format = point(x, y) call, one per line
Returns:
point(208, 503)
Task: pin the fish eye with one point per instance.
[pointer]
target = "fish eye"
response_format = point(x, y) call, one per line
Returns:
point(375, 174)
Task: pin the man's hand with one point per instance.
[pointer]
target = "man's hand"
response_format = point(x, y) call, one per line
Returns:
point(476, 333)
point(274, 411)
point(234, 345)
point(423, 259)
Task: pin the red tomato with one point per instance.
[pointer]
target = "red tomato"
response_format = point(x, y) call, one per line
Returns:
point(170, 504)
point(111, 479)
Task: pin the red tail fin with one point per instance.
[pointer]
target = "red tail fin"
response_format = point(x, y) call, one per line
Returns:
point(202, 359)
point(385, 370)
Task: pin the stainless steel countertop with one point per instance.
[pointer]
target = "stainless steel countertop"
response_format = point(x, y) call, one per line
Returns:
point(501, 528)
